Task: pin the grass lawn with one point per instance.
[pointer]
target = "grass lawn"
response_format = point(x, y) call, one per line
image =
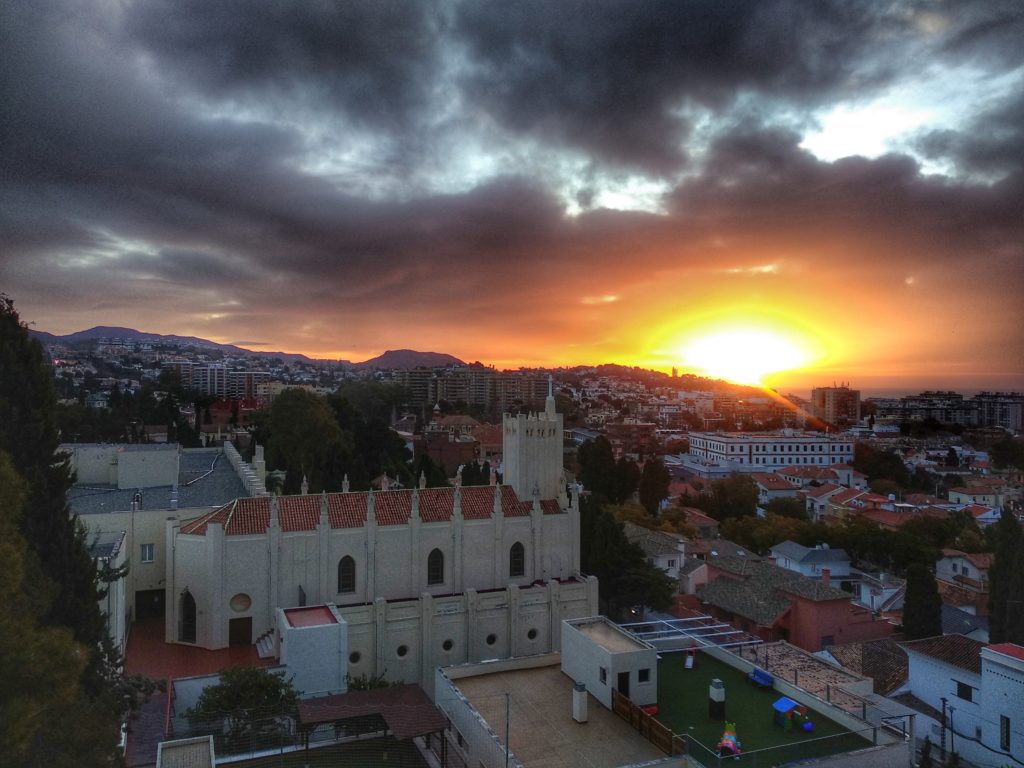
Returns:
point(373, 753)
point(683, 707)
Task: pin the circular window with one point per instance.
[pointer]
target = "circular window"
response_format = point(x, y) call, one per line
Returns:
point(492, 639)
point(240, 602)
point(402, 650)
point(532, 634)
point(447, 645)
point(354, 657)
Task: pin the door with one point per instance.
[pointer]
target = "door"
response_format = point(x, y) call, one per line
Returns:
point(240, 631)
point(624, 684)
point(149, 604)
point(187, 627)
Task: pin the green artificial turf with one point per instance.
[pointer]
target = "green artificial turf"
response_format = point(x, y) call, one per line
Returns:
point(683, 707)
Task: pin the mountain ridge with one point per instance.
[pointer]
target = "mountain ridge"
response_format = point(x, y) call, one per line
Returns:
point(392, 358)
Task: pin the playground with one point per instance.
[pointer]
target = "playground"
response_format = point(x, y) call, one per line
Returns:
point(760, 720)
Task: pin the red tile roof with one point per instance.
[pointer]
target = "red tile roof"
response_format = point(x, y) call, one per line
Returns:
point(772, 482)
point(822, 490)
point(956, 650)
point(808, 472)
point(251, 515)
point(980, 560)
point(1009, 649)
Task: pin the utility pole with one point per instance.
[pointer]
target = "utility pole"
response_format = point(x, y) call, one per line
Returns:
point(942, 739)
point(508, 703)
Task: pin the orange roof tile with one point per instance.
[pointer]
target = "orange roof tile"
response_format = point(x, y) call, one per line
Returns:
point(251, 515)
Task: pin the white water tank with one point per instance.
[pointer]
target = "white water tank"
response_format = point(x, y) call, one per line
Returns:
point(579, 703)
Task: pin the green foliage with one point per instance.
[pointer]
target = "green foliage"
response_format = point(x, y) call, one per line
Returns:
point(785, 507)
point(245, 692)
point(922, 611)
point(476, 474)
point(434, 475)
point(733, 496)
point(1008, 452)
point(1006, 582)
point(56, 580)
point(624, 575)
point(614, 481)
point(304, 438)
point(364, 682)
point(879, 465)
point(653, 485)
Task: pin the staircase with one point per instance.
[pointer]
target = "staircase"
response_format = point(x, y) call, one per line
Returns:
point(265, 645)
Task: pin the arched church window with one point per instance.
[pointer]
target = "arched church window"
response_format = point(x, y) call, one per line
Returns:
point(346, 575)
point(517, 560)
point(435, 567)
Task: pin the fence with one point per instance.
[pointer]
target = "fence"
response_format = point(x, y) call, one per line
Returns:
point(647, 725)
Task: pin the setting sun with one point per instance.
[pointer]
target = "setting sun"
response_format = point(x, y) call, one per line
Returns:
point(742, 356)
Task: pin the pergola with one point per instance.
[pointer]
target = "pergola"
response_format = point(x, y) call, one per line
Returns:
point(704, 629)
point(405, 710)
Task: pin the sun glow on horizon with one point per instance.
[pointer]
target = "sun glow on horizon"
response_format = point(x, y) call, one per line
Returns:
point(743, 356)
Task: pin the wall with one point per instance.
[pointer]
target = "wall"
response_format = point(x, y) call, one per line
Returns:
point(583, 659)
point(810, 621)
point(147, 467)
point(465, 623)
point(316, 656)
point(93, 463)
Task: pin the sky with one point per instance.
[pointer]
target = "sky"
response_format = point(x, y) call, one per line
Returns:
point(834, 188)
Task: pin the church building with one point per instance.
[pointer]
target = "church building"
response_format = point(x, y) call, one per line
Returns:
point(421, 577)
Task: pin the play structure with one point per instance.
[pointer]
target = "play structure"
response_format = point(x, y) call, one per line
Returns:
point(790, 715)
point(690, 658)
point(759, 677)
point(729, 744)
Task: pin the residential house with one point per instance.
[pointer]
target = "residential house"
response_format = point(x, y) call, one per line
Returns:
point(817, 496)
point(774, 603)
point(963, 579)
point(813, 562)
point(977, 691)
point(664, 550)
point(802, 476)
point(771, 486)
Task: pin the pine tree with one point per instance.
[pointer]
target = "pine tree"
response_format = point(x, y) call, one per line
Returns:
point(922, 612)
point(60, 572)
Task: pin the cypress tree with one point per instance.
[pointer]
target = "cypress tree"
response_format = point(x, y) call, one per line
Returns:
point(1006, 583)
point(922, 612)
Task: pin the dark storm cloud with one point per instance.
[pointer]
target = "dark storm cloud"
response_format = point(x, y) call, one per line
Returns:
point(373, 60)
point(612, 77)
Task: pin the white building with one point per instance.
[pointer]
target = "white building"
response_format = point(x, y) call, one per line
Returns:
point(764, 452)
point(422, 577)
point(981, 691)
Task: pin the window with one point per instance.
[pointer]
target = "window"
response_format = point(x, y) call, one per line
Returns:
point(603, 676)
point(827, 640)
point(491, 639)
point(531, 635)
point(346, 575)
point(447, 645)
point(146, 553)
point(517, 560)
point(354, 657)
point(1004, 733)
point(643, 676)
point(671, 563)
point(435, 567)
point(963, 690)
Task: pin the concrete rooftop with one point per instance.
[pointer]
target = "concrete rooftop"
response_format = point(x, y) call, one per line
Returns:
point(542, 733)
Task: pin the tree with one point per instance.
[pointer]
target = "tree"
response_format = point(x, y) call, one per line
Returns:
point(59, 574)
point(922, 612)
point(926, 755)
point(625, 577)
point(597, 466)
point(1006, 582)
point(653, 486)
point(785, 507)
point(304, 434)
point(244, 690)
point(878, 464)
point(733, 496)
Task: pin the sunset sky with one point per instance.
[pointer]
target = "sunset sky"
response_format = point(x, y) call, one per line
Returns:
point(837, 186)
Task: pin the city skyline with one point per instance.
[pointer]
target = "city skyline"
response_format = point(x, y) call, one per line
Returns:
point(836, 187)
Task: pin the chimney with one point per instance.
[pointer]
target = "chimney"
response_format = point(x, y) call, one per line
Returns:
point(826, 576)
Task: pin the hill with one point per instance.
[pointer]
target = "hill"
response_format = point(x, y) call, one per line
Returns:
point(410, 358)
